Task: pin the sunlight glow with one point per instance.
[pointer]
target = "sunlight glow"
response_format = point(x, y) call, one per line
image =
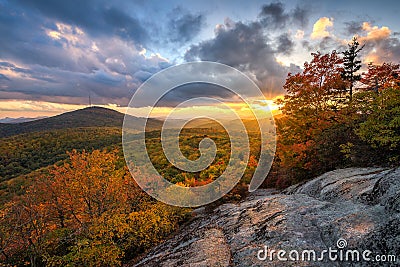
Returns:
point(25, 108)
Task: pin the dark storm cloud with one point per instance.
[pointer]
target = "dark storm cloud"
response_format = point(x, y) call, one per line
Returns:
point(253, 46)
point(78, 12)
point(275, 16)
point(300, 16)
point(246, 47)
point(184, 26)
point(353, 27)
point(285, 44)
point(124, 25)
point(327, 44)
point(233, 46)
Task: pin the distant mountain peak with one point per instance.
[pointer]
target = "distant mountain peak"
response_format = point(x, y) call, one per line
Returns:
point(87, 117)
point(20, 119)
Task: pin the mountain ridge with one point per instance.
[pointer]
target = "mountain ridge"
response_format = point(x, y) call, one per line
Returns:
point(21, 119)
point(86, 117)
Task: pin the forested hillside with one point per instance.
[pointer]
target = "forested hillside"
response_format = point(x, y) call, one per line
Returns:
point(87, 117)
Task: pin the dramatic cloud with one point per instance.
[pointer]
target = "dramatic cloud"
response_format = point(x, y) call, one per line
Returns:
point(254, 46)
point(184, 26)
point(353, 27)
point(374, 32)
point(320, 28)
point(64, 58)
point(248, 48)
point(275, 16)
point(328, 44)
point(109, 69)
point(97, 17)
point(380, 44)
point(300, 16)
point(285, 44)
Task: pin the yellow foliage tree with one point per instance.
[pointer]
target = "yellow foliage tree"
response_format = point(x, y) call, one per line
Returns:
point(86, 212)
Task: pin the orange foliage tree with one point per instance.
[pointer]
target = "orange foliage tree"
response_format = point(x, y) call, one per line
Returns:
point(87, 211)
point(380, 77)
point(321, 129)
point(309, 108)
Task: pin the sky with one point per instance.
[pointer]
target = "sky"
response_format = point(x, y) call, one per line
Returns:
point(54, 54)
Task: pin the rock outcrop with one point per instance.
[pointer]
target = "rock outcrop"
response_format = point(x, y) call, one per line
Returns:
point(357, 206)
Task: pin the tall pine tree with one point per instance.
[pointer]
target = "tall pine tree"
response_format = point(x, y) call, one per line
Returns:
point(351, 64)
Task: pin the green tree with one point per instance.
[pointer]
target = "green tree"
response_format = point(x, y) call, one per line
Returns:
point(351, 64)
point(381, 129)
point(373, 117)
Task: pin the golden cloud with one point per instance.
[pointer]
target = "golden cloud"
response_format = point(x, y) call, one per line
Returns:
point(376, 37)
point(374, 32)
point(320, 28)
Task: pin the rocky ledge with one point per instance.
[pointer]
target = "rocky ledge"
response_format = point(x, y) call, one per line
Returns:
point(357, 206)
